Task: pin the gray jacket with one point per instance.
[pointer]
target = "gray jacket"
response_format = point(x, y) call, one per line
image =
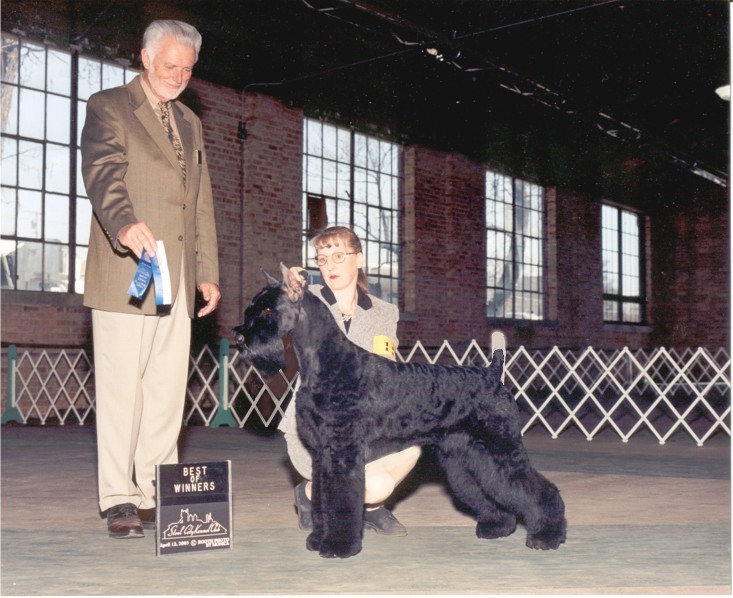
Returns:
point(373, 317)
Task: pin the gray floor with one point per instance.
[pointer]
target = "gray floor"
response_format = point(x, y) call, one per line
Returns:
point(643, 519)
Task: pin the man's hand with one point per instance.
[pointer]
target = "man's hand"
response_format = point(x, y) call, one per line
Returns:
point(137, 237)
point(211, 295)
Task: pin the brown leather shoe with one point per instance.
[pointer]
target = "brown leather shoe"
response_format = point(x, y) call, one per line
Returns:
point(147, 517)
point(124, 522)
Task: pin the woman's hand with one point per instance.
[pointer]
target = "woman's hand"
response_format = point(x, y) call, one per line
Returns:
point(300, 272)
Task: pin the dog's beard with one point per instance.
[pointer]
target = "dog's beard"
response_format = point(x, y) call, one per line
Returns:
point(267, 357)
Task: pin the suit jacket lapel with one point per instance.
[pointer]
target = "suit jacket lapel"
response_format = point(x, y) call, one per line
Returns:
point(185, 133)
point(147, 117)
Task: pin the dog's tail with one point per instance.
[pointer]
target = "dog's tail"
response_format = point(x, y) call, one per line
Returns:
point(497, 364)
point(498, 347)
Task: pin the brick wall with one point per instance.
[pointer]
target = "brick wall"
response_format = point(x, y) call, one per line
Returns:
point(257, 190)
point(272, 215)
point(691, 273)
point(444, 248)
point(220, 110)
point(30, 318)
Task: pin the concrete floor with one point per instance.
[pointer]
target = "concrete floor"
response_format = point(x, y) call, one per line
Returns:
point(642, 519)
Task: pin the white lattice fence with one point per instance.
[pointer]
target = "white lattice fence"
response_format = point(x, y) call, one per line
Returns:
point(49, 385)
point(662, 391)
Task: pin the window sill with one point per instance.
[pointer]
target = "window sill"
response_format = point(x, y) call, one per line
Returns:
point(9, 297)
point(626, 327)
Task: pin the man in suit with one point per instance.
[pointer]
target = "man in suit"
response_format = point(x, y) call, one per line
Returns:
point(145, 172)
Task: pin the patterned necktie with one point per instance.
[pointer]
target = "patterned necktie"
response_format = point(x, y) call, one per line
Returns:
point(175, 142)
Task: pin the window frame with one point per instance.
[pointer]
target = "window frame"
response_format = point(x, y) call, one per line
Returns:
point(513, 258)
point(621, 298)
point(77, 216)
point(353, 179)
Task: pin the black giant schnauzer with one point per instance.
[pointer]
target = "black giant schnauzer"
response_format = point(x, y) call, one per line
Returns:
point(349, 398)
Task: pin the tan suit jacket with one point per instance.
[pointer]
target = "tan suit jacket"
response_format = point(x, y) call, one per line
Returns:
point(131, 174)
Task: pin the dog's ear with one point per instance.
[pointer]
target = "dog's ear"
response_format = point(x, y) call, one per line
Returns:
point(293, 283)
point(271, 280)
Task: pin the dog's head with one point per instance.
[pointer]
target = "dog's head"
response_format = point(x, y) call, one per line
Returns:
point(272, 314)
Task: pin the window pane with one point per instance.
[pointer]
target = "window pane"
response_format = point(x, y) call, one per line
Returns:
point(80, 268)
point(343, 153)
point(631, 313)
point(313, 179)
point(360, 150)
point(9, 161)
point(372, 153)
point(8, 263)
point(621, 251)
point(329, 178)
point(610, 281)
point(57, 218)
point(29, 269)
point(11, 58)
point(329, 142)
point(30, 215)
point(343, 184)
point(395, 193)
point(59, 72)
point(112, 76)
point(360, 219)
point(30, 164)
point(372, 189)
point(9, 114)
point(610, 218)
point(58, 112)
point(385, 191)
point(313, 137)
point(629, 223)
point(80, 188)
point(32, 65)
point(331, 215)
point(56, 268)
point(32, 113)
point(83, 220)
point(610, 311)
point(57, 168)
point(7, 211)
point(81, 115)
point(90, 77)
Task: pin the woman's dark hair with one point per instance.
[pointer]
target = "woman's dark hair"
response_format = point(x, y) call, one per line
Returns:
point(346, 237)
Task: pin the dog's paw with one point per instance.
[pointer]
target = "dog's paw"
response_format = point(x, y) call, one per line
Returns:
point(490, 530)
point(313, 542)
point(547, 540)
point(339, 549)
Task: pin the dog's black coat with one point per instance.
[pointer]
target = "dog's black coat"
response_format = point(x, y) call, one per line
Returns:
point(349, 397)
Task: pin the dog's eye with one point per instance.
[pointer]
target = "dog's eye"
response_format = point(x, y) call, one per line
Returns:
point(265, 313)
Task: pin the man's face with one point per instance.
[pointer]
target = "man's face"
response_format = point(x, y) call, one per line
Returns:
point(170, 69)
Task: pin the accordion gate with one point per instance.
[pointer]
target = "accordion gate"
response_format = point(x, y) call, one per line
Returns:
point(662, 391)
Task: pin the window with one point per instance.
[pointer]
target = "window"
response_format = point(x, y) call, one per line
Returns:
point(622, 266)
point(351, 179)
point(515, 212)
point(45, 212)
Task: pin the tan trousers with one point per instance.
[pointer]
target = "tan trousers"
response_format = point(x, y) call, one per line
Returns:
point(141, 373)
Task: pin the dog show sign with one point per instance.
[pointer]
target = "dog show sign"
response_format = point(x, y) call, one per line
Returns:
point(194, 507)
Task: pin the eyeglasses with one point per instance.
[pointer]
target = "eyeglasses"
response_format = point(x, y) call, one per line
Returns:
point(337, 257)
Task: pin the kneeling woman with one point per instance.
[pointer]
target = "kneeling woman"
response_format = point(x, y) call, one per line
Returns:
point(363, 318)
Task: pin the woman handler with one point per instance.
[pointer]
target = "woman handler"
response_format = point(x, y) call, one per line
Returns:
point(371, 324)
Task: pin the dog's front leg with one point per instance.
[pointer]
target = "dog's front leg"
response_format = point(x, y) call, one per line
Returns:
point(341, 501)
point(313, 541)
